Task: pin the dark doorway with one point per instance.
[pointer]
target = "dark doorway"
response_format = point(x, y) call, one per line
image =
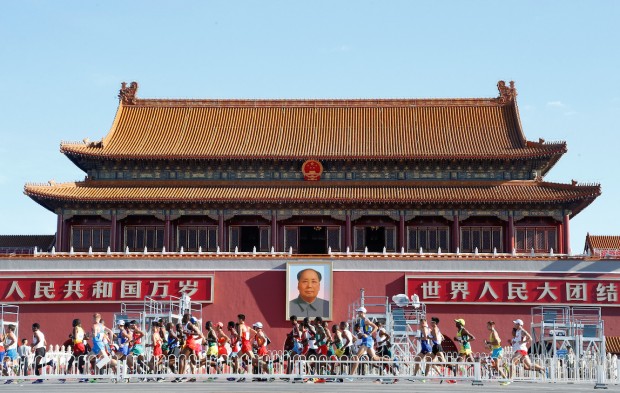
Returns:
point(250, 238)
point(375, 239)
point(312, 240)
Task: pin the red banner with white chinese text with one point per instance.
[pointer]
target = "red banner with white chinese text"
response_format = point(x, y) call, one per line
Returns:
point(514, 290)
point(105, 288)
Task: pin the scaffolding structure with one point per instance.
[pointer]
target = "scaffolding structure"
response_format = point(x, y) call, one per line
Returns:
point(9, 315)
point(401, 321)
point(150, 310)
point(558, 330)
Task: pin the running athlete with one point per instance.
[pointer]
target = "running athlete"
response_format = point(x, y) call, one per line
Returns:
point(38, 347)
point(426, 348)
point(245, 335)
point(261, 343)
point(329, 338)
point(497, 352)
point(347, 344)
point(211, 340)
point(136, 348)
point(100, 337)
point(235, 343)
point(321, 336)
point(337, 341)
point(223, 342)
point(383, 343)
point(11, 355)
point(464, 337)
point(157, 359)
point(308, 335)
point(124, 337)
point(365, 328)
point(191, 349)
point(519, 348)
point(437, 350)
point(296, 335)
point(173, 346)
point(79, 349)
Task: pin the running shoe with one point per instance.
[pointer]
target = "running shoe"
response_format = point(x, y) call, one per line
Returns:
point(9, 381)
point(38, 381)
point(349, 379)
point(505, 383)
point(451, 381)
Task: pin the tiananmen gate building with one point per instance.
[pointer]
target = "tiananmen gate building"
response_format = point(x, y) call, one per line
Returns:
point(222, 199)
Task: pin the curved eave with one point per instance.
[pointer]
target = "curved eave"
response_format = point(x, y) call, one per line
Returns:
point(76, 154)
point(50, 198)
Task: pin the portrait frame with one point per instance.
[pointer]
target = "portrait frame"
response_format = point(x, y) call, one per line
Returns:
point(325, 294)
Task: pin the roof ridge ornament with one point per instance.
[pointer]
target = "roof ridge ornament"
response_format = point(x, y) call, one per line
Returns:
point(127, 95)
point(506, 94)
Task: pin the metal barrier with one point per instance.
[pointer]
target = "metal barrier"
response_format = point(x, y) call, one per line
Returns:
point(60, 365)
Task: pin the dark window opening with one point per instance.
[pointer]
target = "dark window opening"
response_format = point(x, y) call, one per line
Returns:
point(313, 240)
point(250, 238)
point(375, 239)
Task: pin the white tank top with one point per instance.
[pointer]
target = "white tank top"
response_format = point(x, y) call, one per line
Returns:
point(10, 344)
point(38, 343)
point(519, 344)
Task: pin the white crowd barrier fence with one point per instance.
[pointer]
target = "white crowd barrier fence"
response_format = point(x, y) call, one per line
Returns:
point(60, 365)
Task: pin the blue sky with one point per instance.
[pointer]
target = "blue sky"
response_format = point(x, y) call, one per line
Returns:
point(62, 62)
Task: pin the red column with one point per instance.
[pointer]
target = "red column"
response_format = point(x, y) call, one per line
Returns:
point(113, 232)
point(274, 232)
point(401, 233)
point(510, 244)
point(167, 232)
point(220, 230)
point(456, 235)
point(59, 232)
point(347, 232)
point(566, 233)
point(560, 245)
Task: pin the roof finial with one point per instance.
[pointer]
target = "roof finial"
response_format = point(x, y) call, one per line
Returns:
point(127, 95)
point(506, 94)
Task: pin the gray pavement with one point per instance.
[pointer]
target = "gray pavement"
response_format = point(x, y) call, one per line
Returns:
point(281, 386)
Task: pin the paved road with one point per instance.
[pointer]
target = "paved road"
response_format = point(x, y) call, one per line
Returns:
point(280, 386)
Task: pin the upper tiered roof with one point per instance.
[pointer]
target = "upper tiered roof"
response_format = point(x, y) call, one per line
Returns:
point(389, 129)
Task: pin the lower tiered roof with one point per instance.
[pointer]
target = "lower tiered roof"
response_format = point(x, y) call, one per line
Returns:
point(283, 193)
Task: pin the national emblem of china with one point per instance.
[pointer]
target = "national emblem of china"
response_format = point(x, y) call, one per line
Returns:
point(312, 170)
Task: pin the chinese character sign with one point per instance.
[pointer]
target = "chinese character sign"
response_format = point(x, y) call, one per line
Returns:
point(102, 288)
point(437, 288)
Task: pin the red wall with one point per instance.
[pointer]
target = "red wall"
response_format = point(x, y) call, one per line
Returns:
point(261, 297)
